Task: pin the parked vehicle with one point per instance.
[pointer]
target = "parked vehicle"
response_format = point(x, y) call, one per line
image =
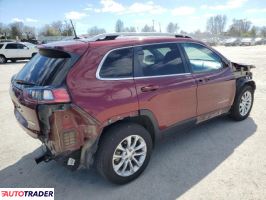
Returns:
point(107, 100)
point(211, 41)
point(247, 42)
point(232, 42)
point(16, 51)
point(259, 41)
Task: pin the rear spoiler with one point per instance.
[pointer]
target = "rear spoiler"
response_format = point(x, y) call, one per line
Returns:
point(53, 53)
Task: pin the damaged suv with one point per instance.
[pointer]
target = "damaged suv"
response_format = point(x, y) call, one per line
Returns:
point(107, 100)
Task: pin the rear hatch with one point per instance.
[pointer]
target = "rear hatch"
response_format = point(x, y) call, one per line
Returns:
point(37, 81)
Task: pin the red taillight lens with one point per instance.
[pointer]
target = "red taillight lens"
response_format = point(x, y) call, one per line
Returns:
point(46, 96)
point(61, 96)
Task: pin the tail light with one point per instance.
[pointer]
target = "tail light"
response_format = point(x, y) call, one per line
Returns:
point(46, 96)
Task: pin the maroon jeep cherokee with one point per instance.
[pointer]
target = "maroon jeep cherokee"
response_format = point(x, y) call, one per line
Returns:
point(106, 100)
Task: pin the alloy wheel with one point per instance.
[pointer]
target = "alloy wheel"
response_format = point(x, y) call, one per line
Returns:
point(129, 155)
point(245, 103)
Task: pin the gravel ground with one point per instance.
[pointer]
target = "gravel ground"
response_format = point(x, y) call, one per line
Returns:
point(221, 159)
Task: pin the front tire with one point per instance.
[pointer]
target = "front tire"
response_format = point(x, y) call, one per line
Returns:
point(243, 103)
point(124, 152)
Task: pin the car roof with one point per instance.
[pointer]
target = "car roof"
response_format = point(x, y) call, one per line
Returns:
point(9, 42)
point(111, 41)
point(134, 41)
point(130, 38)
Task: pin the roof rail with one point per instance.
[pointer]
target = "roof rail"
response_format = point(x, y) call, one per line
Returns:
point(113, 36)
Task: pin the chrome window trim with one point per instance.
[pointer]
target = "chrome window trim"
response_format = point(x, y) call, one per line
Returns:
point(101, 64)
point(161, 76)
point(141, 77)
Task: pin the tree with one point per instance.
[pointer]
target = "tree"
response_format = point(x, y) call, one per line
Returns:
point(95, 31)
point(119, 26)
point(254, 31)
point(4, 31)
point(240, 27)
point(67, 29)
point(57, 28)
point(48, 30)
point(216, 24)
point(130, 29)
point(147, 28)
point(263, 31)
point(172, 28)
point(183, 32)
point(29, 32)
point(16, 30)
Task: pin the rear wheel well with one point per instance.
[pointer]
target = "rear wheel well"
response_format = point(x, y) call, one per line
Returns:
point(144, 121)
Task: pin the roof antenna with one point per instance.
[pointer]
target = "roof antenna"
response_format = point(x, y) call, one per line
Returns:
point(76, 37)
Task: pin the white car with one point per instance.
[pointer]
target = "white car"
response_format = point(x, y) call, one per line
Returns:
point(247, 42)
point(16, 51)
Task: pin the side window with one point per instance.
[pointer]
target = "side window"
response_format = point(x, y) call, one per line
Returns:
point(1, 45)
point(20, 46)
point(159, 59)
point(11, 46)
point(118, 64)
point(201, 58)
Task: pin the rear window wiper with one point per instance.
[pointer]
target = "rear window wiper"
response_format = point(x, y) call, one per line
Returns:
point(22, 82)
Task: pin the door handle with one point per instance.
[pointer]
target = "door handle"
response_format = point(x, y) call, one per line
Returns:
point(149, 88)
point(203, 80)
point(200, 80)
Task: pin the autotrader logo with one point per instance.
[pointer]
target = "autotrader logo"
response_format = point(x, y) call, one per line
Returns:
point(27, 193)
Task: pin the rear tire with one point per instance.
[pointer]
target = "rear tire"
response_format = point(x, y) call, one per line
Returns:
point(124, 152)
point(243, 103)
point(2, 59)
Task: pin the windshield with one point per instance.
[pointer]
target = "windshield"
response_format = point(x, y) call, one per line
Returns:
point(41, 70)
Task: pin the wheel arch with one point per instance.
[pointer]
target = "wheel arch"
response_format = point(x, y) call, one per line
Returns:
point(144, 118)
point(241, 82)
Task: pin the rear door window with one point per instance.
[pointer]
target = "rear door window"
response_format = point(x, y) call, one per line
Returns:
point(158, 59)
point(118, 64)
point(20, 46)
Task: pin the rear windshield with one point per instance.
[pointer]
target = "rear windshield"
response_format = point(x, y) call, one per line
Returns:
point(41, 70)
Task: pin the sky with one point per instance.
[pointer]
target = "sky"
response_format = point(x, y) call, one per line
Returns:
point(190, 15)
